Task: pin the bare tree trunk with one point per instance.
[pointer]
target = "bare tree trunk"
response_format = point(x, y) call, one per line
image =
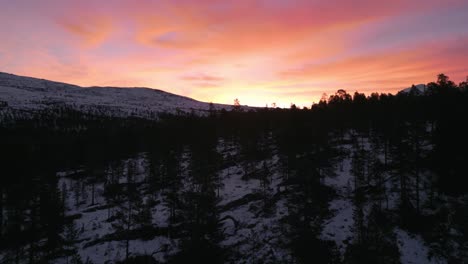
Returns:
point(1, 211)
point(417, 191)
point(17, 260)
point(417, 176)
point(33, 230)
point(92, 193)
point(432, 195)
point(31, 251)
point(385, 152)
point(127, 242)
point(402, 188)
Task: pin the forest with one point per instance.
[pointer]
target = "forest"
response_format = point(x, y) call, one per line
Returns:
point(354, 178)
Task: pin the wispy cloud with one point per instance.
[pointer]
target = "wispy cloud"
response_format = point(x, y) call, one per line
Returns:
point(92, 31)
point(202, 77)
point(264, 51)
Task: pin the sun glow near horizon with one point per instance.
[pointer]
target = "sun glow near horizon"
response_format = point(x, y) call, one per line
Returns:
point(258, 51)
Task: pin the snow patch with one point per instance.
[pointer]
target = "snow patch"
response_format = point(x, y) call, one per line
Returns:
point(413, 250)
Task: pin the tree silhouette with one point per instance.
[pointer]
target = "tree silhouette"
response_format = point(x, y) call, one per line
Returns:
point(236, 106)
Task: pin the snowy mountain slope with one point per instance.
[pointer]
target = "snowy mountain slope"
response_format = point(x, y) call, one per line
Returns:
point(420, 89)
point(25, 93)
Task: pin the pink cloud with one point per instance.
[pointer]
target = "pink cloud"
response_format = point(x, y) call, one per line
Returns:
point(202, 77)
point(267, 50)
point(92, 31)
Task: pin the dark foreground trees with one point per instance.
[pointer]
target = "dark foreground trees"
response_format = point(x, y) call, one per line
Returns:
point(410, 144)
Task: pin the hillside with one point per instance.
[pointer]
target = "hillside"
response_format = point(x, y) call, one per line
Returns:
point(30, 94)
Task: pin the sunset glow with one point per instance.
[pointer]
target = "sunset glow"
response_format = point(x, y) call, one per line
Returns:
point(258, 51)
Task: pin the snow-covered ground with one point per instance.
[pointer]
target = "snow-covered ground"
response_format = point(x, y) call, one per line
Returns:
point(245, 227)
point(413, 249)
point(339, 228)
point(251, 233)
point(92, 221)
point(251, 230)
point(29, 94)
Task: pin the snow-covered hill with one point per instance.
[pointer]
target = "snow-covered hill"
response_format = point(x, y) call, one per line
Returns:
point(26, 93)
point(418, 89)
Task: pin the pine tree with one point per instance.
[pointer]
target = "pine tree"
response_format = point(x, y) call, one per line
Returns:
point(131, 213)
point(70, 235)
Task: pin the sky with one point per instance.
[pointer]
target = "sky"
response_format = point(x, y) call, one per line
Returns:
point(262, 52)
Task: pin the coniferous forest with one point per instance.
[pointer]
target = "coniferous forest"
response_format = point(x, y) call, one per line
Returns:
point(355, 178)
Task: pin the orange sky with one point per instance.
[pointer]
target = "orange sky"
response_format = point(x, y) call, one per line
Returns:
point(283, 51)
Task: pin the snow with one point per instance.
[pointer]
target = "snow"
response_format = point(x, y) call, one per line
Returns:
point(340, 227)
point(420, 89)
point(92, 222)
point(254, 235)
point(234, 187)
point(68, 173)
point(342, 182)
point(25, 93)
point(255, 231)
point(413, 250)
